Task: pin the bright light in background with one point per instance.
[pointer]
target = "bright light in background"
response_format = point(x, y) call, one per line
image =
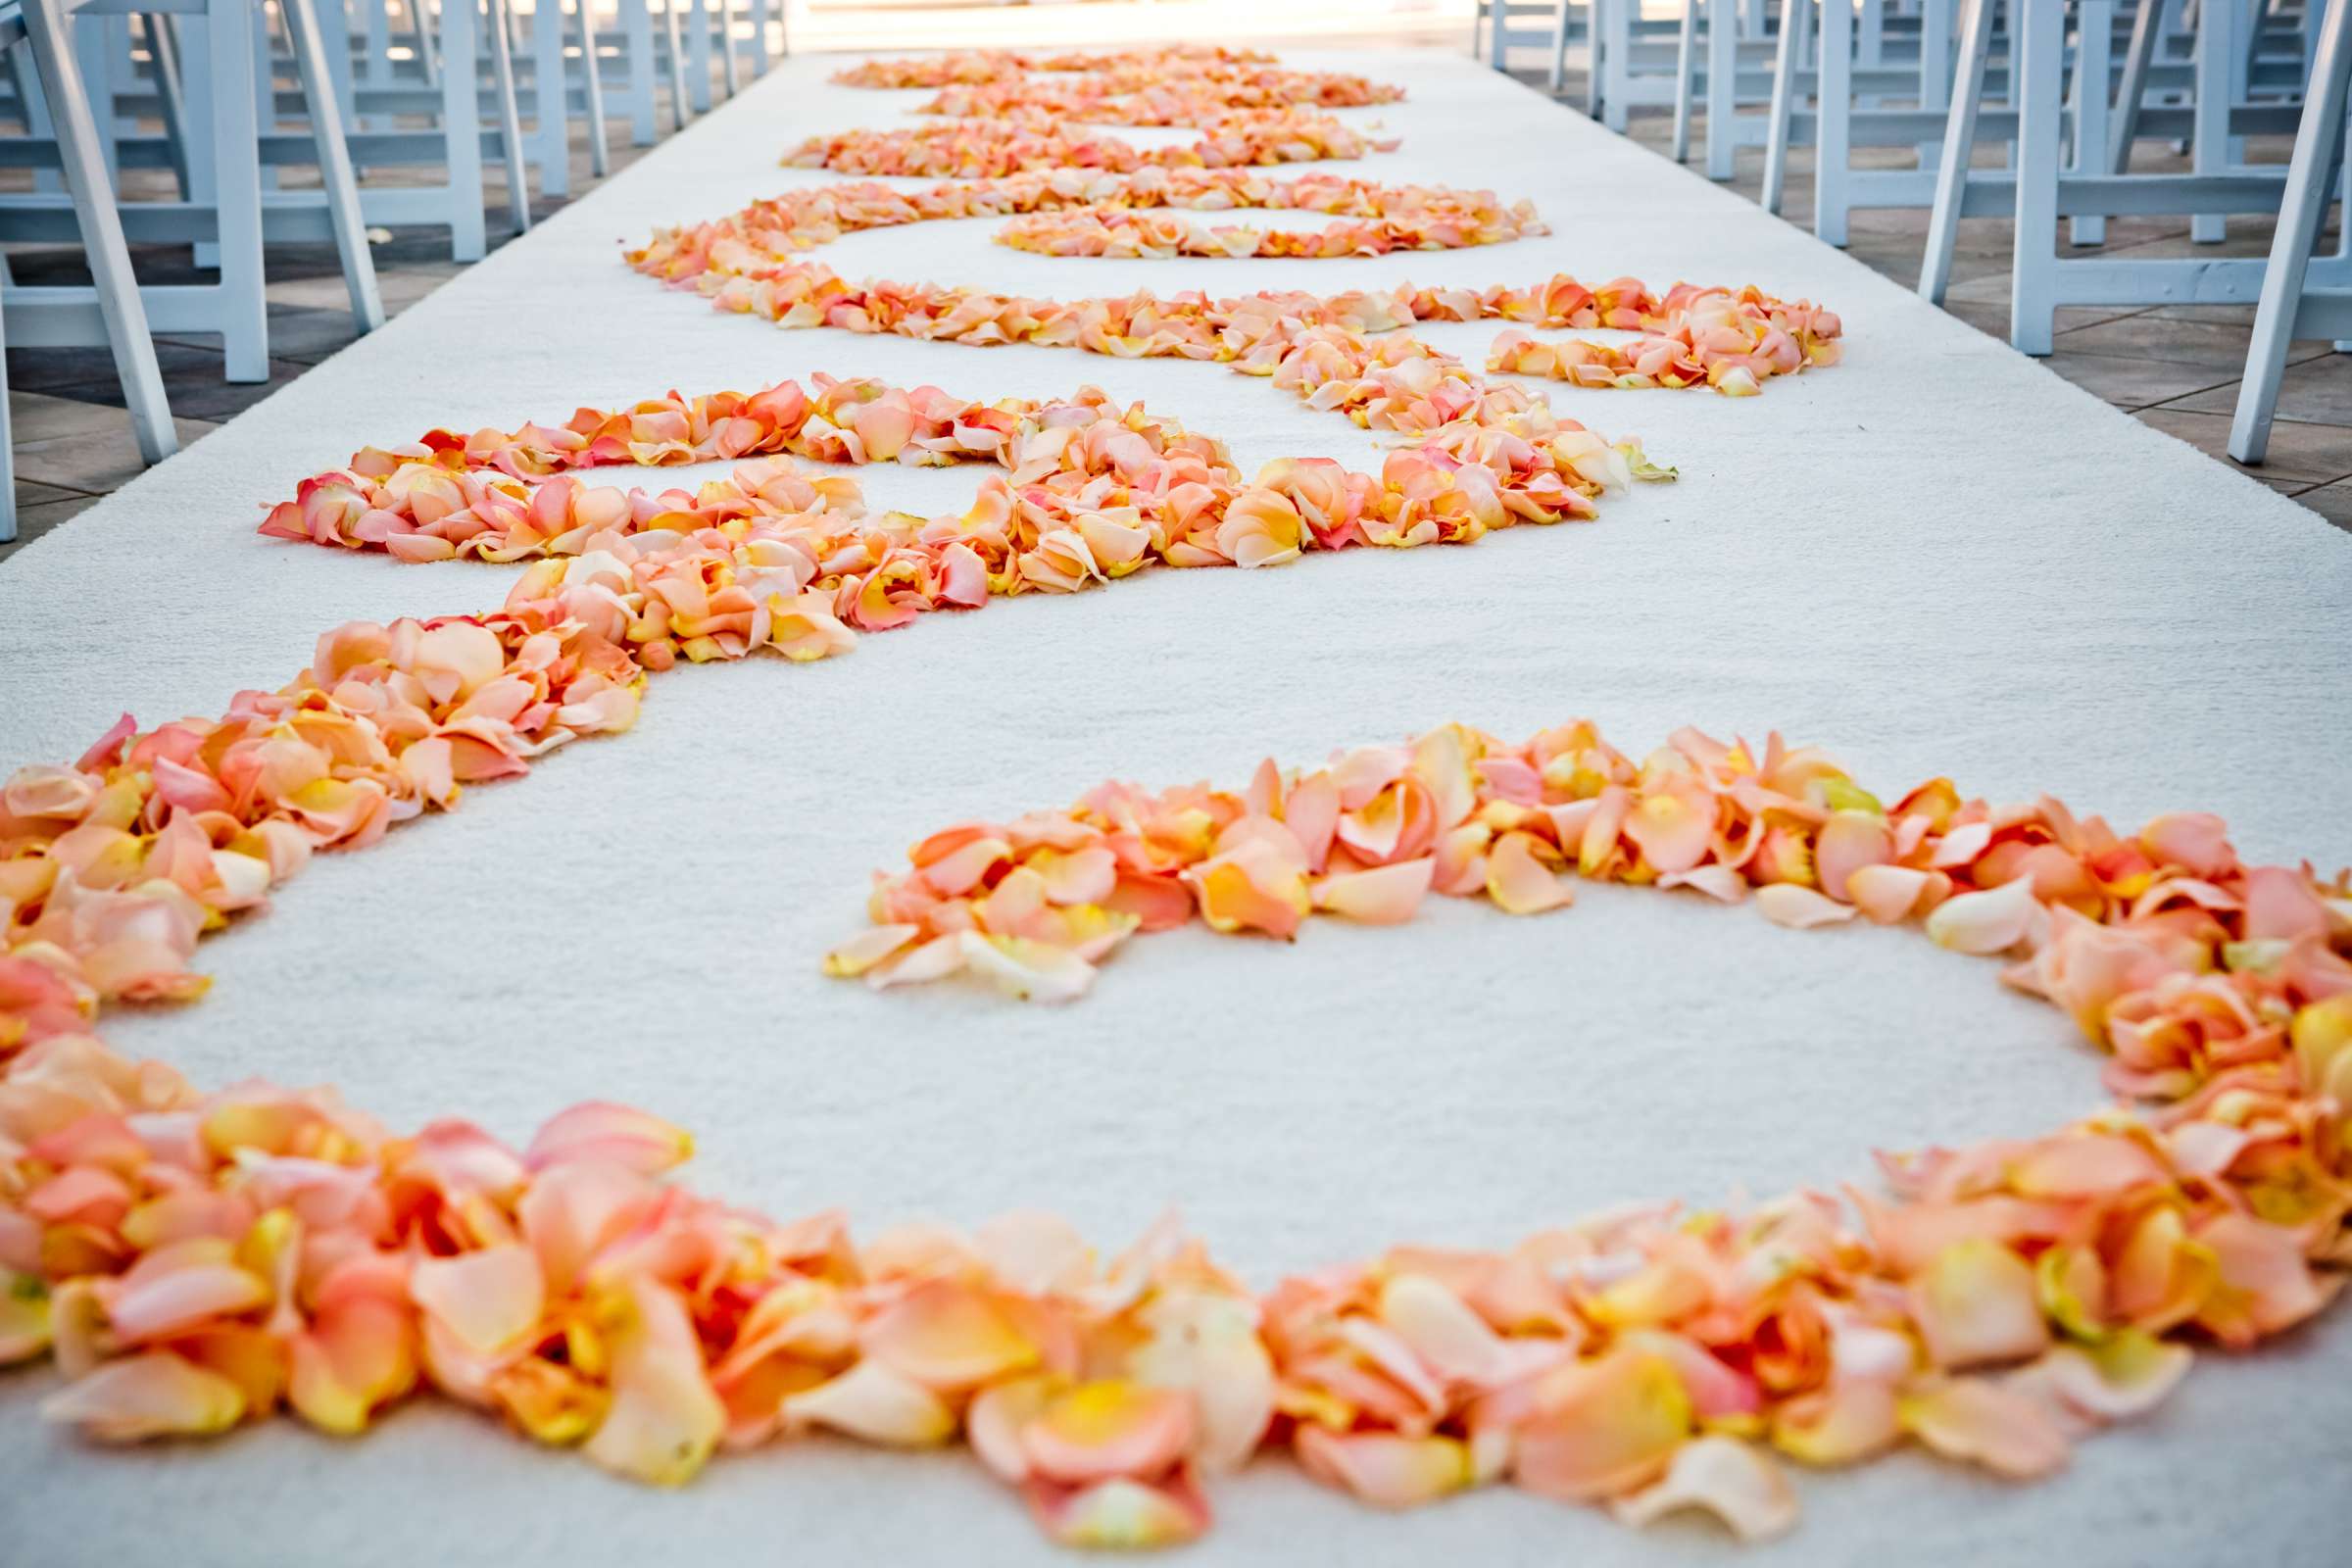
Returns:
point(967, 24)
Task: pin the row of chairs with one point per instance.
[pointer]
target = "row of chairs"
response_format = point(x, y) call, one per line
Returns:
point(385, 112)
point(2066, 91)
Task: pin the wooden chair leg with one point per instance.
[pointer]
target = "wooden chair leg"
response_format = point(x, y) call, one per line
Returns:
point(2297, 236)
point(1959, 136)
point(1559, 46)
point(119, 303)
point(340, 187)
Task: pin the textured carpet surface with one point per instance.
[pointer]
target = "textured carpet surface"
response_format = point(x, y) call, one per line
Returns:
point(1936, 558)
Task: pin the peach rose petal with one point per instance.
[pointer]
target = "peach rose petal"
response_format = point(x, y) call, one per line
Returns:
point(1722, 1477)
point(1983, 1423)
point(157, 1394)
point(1787, 903)
point(868, 948)
point(1986, 922)
point(875, 1404)
point(2124, 1376)
point(1979, 1302)
point(1026, 970)
point(1384, 1469)
point(1122, 1513)
point(664, 1419)
point(1519, 882)
point(1385, 895)
point(489, 1300)
point(1888, 894)
point(1602, 1428)
point(612, 1133)
point(1097, 1431)
point(948, 1335)
point(24, 1317)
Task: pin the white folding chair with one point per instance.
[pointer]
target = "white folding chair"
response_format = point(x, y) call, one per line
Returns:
point(1739, 59)
point(470, 120)
point(2042, 280)
point(1857, 68)
point(38, 27)
point(1643, 59)
point(2290, 305)
point(221, 213)
point(1504, 25)
point(553, 98)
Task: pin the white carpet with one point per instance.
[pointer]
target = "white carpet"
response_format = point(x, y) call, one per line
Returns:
point(1935, 558)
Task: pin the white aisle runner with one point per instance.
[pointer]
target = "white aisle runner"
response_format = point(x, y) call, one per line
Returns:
point(1935, 558)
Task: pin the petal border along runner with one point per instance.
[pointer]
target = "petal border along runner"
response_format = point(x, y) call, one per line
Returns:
point(194, 1260)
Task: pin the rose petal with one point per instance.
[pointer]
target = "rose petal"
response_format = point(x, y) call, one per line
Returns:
point(1100, 1430)
point(1787, 903)
point(1979, 1301)
point(1724, 1477)
point(1122, 1513)
point(1972, 1419)
point(611, 1134)
point(153, 1396)
point(876, 1404)
point(1384, 1469)
point(1385, 895)
point(664, 1419)
point(1988, 922)
point(489, 1300)
point(1602, 1428)
point(948, 1335)
point(1518, 882)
